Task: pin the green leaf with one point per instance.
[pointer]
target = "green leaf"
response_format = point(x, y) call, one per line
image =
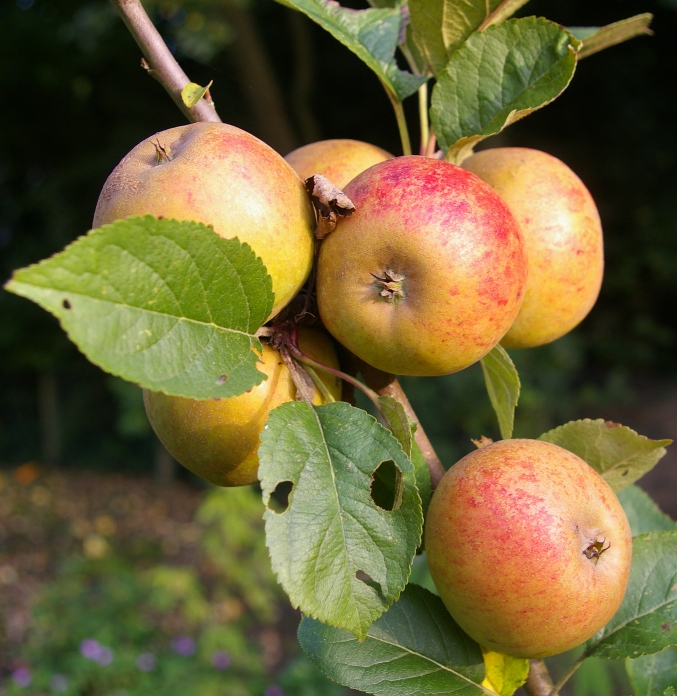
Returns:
point(414, 649)
point(371, 34)
point(653, 675)
point(397, 422)
point(498, 76)
point(340, 557)
point(505, 674)
point(594, 39)
point(646, 622)
point(423, 481)
point(439, 27)
point(169, 305)
point(503, 387)
point(615, 451)
point(192, 93)
point(643, 514)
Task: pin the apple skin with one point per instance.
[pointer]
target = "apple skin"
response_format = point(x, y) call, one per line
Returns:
point(340, 160)
point(447, 246)
point(218, 439)
point(505, 535)
point(225, 177)
point(563, 236)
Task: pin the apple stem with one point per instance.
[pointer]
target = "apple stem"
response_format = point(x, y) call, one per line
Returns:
point(161, 64)
point(401, 122)
point(423, 117)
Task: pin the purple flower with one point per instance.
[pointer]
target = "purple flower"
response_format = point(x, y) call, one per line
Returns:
point(93, 650)
point(221, 660)
point(90, 648)
point(183, 645)
point(58, 683)
point(146, 662)
point(21, 677)
point(274, 690)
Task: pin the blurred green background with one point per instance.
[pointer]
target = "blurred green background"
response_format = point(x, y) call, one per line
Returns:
point(75, 100)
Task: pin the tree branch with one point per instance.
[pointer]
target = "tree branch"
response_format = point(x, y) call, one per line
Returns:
point(539, 682)
point(385, 384)
point(162, 64)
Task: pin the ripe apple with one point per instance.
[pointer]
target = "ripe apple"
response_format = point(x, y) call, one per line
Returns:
point(528, 547)
point(339, 160)
point(563, 237)
point(428, 273)
point(218, 439)
point(222, 176)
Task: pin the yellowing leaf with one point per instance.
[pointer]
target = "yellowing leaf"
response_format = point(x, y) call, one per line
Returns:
point(192, 93)
point(505, 674)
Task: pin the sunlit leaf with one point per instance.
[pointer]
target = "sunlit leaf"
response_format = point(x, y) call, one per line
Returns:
point(594, 39)
point(498, 76)
point(341, 555)
point(503, 386)
point(615, 451)
point(169, 305)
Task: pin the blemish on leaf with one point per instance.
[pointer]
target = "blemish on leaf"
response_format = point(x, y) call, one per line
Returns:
point(665, 626)
point(387, 486)
point(66, 304)
point(221, 380)
point(279, 499)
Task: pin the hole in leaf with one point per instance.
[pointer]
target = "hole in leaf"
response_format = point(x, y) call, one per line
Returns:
point(368, 580)
point(387, 486)
point(66, 303)
point(221, 379)
point(279, 500)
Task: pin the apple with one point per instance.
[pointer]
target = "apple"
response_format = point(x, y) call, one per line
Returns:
point(528, 547)
point(563, 237)
point(428, 273)
point(224, 177)
point(340, 160)
point(218, 439)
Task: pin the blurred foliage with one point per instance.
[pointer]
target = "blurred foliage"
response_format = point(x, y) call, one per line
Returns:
point(142, 598)
point(78, 101)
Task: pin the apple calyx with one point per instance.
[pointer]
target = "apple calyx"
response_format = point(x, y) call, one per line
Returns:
point(162, 153)
point(390, 285)
point(595, 549)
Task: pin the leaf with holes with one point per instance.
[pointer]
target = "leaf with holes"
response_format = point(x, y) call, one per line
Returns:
point(503, 386)
point(439, 27)
point(169, 305)
point(642, 512)
point(372, 34)
point(646, 622)
point(615, 451)
point(341, 556)
point(498, 76)
point(414, 649)
point(653, 675)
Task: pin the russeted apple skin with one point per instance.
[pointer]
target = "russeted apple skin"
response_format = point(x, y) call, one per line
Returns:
point(340, 159)
point(222, 176)
point(459, 253)
point(505, 536)
point(218, 439)
point(563, 237)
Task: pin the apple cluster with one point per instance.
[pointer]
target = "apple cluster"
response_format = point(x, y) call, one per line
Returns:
point(437, 265)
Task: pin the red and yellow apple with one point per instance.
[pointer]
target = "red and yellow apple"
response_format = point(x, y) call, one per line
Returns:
point(528, 547)
point(562, 234)
point(427, 274)
point(218, 439)
point(340, 160)
point(225, 177)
